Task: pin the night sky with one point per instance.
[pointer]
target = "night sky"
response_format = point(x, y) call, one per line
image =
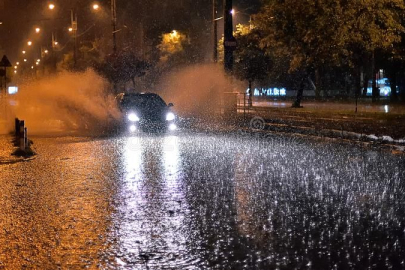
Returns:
point(20, 17)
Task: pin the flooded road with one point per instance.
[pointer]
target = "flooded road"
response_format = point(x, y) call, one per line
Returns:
point(202, 201)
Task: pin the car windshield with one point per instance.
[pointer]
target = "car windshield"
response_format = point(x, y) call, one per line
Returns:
point(143, 101)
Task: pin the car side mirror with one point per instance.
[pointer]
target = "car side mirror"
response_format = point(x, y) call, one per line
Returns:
point(170, 105)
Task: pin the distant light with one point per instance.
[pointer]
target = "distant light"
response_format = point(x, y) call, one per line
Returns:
point(37, 63)
point(37, 30)
point(15, 71)
point(233, 12)
point(46, 51)
point(172, 127)
point(132, 128)
point(387, 109)
point(56, 43)
point(12, 90)
point(15, 67)
point(70, 29)
point(38, 60)
point(32, 67)
point(96, 7)
point(51, 6)
point(23, 52)
point(29, 43)
point(25, 60)
point(18, 63)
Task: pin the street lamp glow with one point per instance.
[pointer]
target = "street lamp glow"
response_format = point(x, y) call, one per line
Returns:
point(18, 63)
point(38, 60)
point(96, 6)
point(15, 67)
point(233, 12)
point(51, 6)
point(70, 29)
point(25, 60)
point(37, 63)
point(29, 43)
point(23, 52)
point(46, 51)
point(32, 67)
point(15, 71)
point(55, 43)
point(37, 30)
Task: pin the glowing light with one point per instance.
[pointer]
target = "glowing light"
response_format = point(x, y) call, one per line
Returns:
point(37, 30)
point(133, 117)
point(23, 52)
point(172, 127)
point(96, 7)
point(170, 116)
point(12, 90)
point(51, 6)
point(15, 71)
point(55, 43)
point(70, 29)
point(233, 12)
point(32, 67)
point(132, 128)
point(18, 63)
point(25, 60)
point(46, 51)
point(29, 43)
point(38, 60)
point(15, 67)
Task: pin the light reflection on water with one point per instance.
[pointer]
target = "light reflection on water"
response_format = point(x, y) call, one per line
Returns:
point(150, 227)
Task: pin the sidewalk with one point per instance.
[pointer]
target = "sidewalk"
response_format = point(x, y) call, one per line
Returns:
point(320, 117)
point(363, 106)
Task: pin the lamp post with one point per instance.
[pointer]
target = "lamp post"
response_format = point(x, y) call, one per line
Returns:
point(229, 40)
point(215, 30)
point(73, 16)
point(114, 24)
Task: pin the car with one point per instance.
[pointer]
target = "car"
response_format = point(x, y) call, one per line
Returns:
point(146, 112)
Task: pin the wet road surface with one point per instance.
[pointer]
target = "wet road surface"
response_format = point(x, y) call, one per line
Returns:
point(202, 201)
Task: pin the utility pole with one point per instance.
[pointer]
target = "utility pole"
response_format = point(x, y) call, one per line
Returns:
point(229, 40)
point(73, 16)
point(114, 24)
point(215, 30)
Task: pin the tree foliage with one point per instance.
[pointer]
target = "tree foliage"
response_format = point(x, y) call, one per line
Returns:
point(251, 61)
point(123, 67)
point(312, 33)
point(171, 44)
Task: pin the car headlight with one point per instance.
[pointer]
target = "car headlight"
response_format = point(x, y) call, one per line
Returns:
point(133, 117)
point(170, 116)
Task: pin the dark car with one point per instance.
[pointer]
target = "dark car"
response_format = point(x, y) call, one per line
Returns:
point(146, 111)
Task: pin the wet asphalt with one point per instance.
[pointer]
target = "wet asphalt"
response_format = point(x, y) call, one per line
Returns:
point(199, 200)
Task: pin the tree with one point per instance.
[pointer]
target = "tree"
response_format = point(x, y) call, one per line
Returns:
point(251, 61)
point(123, 67)
point(314, 33)
point(171, 44)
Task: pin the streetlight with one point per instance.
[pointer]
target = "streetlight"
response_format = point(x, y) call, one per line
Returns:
point(29, 43)
point(23, 52)
point(96, 6)
point(51, 6)
point(114, 24)
point(37, 30)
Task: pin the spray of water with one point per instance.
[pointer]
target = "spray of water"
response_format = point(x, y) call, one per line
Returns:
point(196, 90)
point(67, 102)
